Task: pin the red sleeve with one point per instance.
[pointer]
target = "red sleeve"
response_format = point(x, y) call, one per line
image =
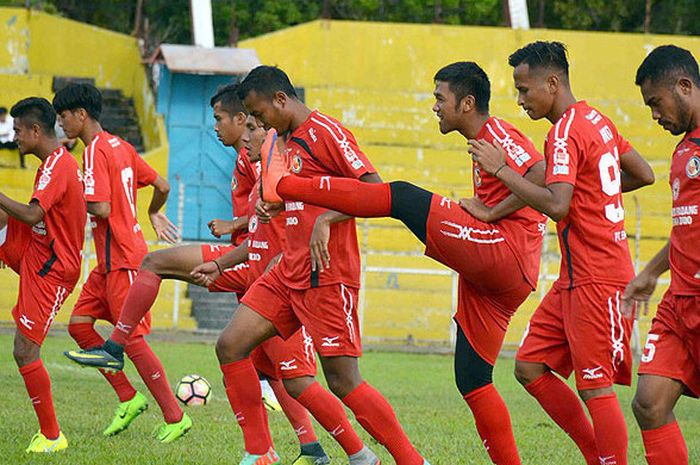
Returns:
point(521, 154)
point(623, 146)
point(51, 186)
point(96, 177)
point(562, 153)
point(340, 151)
point(145, 175)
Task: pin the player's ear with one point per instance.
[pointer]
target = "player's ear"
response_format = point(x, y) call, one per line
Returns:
point(553, 83)
point(467, 103)
point(684, 86)
point(280, 98)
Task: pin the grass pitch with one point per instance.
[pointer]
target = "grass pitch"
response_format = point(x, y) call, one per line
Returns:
point(420, 387)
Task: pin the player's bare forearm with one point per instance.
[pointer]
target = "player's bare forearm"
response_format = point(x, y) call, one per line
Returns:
point(30, 214)
point(161, 190)
point(234, 257)
point(100, 210)
point(660, 263)
point(635, 172)
point(240, 222)
point(513, 203)
point(552, 200)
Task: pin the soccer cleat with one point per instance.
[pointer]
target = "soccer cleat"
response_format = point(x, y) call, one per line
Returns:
point(97, 357)
point(126, 413)
point(268, 458)
point(169, 432)
point(273, 168)
point(41, 444)
point(269, 398)
point(312, 460)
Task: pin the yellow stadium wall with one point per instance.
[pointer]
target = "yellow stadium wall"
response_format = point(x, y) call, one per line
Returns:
point(377, 78)
point(40, 46)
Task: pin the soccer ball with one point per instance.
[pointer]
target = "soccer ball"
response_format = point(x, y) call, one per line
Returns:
point(193, 390)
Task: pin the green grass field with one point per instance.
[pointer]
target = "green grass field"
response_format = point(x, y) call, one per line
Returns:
point(420, 388)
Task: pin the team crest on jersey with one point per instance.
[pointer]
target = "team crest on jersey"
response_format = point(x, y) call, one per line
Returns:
point(477, 176)
point(296, 163)
point(253, 224)
point(44, 181)
point(234, 183)
point(676, 188)
point(692, 169)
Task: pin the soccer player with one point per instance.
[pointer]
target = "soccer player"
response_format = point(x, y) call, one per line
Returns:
point(41, 241)
point(498, 262)
point(670, 367)
point(112, 173)
point(579, 325)
point(285, 363)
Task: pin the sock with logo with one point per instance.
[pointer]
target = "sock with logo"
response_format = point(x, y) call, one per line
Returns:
point(86, 337)
point(245, 397)
point(153, 374)
point(665, 445)
point(376, 416)
point(38, 384)
point(564, 407)
point(297, 415)
point(329, 412)
point(610, 429)
point(142, 294)
point(493, 424)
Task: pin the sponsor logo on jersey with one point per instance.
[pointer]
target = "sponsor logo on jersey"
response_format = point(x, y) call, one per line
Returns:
point(260, 245)
point(330, 341)
point(312, 134)
point(676, 188)
point(692, 169)
point(608, 460)
point(44, 181)
point(296, 163)
point(592, 373)
point(287, 365)
point(467, 233)
point(39, 228)
point(234, 183)
point(477, 176)
point(26, 322)
point(682, 215)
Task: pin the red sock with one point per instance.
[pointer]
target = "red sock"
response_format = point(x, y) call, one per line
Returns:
point(245, 397)
point(329, 412)
point(86, 337)
point(493, 424)
point(564, 407)
point(349, 196)
point(375, 415)
point(297, 415)
point(153, 374)
point(138, 302)
point(38, 384)
point(610, 429)
point(665, 445)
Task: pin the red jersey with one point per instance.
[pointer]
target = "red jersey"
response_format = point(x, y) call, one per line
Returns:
point(113, 172)
point(265, 240)
point(321, 146)
point(57, 240)
point(583, 149)
point(685, 234)
point(525, 227)
point(244, 176)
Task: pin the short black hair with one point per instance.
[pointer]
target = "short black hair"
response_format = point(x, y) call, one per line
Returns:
point(3, 110)
point(228, 96)
point(541, 54)
point(266, 80)
point(36, 110)
point(467, 78)
point(668, 62)
point(75, 96)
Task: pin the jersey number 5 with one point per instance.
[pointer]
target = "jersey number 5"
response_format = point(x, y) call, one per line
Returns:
point(610, 182)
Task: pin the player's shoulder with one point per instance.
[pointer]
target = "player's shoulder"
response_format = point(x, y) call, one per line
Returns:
point(322, 127)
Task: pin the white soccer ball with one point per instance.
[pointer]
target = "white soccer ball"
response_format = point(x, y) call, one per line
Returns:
point(193, 390)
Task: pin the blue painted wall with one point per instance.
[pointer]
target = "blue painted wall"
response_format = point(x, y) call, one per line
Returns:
point(196, 155)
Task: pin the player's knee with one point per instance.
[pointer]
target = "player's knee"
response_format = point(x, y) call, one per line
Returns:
point(228, 351)
point(411, 204)
point(341, 383)
point(525, 374)
point(648, 410)
point(150, 262)
point(467, 383)
point(24, 353)
point(296, 386)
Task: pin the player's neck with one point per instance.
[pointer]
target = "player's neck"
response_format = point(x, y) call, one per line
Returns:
point(300, 113)
point(561, 104)
point(46, 148)
point(472, 126)
point(238, 145)
point(91, 129)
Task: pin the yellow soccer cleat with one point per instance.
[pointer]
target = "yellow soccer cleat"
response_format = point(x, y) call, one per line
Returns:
point(41, 444)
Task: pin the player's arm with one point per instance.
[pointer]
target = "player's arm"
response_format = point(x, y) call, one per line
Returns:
point(164, 228)
point(320, 257)
point(208, 272)
point(100, 210)
point(635, 172)
point(31, 213)
point(553, 200)
point(220, 227)
point(640, 289)
point(507, 206)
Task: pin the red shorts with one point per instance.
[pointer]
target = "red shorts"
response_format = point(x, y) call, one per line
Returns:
point(672, 349)
point(329, 312)
point(39, 298)
point(103, 296)
point(234, 279)
point(280, 359)
point(582, 330)
point(491, 285)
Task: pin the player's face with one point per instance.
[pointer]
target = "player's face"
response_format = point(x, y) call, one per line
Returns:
point(270, 111)
point(228, 128)
point(72, 123)
point(534, 95)
point(668, 105)
point(253, 138)
point(445, 107)
point(26, 136)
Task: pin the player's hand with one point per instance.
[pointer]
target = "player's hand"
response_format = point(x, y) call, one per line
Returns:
point(638, 292)
point(321, 234)
point(478, 209)
point(219, 228)
point(205, 274)
point(491, 157)
point(265, 211)
point(164, 228)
